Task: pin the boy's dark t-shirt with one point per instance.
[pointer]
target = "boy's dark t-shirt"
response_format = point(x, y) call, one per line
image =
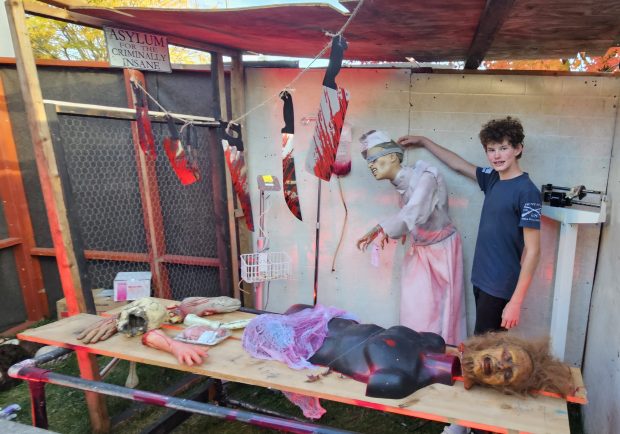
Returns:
point(509, 206)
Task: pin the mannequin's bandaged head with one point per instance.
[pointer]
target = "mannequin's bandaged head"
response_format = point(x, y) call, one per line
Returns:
point(380, 143)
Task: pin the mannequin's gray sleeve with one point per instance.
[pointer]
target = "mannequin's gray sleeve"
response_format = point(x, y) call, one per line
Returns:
point(416, 211)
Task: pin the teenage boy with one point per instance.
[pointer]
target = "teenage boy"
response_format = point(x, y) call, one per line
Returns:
point(508, 244)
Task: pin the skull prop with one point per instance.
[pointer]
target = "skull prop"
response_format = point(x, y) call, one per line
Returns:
point(141, 316)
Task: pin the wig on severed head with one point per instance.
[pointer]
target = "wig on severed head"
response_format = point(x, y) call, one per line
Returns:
point(548, 373)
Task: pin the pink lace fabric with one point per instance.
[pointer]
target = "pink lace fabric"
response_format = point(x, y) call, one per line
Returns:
point(309, 405)
point(291, 339)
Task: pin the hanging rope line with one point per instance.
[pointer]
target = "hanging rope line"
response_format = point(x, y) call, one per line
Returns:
point(344, 225)
point(303, 71)
point(276, 95)
point(185, 122)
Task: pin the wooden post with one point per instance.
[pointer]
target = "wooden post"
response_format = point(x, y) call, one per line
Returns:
point(230, 198)
point(51, 187)
point(18, 221)
point(237, 97)
point(222, 187)
point(149, 193)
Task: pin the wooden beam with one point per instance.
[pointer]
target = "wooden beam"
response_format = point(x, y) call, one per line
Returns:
point(191, 260)
point(11, 332)
point(46, 160)
point(79, 109)
point(219, 183)
point(133, 257)
point(17, 216)
point(62, 13)
point(217, 73)
point(51, 187)
point(5, 243)
point(492, 18)
point(237, 98)
point(97, 255)
point(150, 200)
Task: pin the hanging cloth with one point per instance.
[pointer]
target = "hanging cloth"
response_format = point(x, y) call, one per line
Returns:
point(182, 160)
point(143, 122)
point(233, 154)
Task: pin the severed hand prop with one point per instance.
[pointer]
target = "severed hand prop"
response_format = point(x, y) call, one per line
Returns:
point(99, 331)
point(186, 354)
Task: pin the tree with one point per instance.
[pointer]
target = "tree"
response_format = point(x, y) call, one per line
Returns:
point(581, 62)
point(53, 39)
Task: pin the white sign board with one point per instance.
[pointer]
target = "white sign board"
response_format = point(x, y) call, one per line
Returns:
point(137, 50)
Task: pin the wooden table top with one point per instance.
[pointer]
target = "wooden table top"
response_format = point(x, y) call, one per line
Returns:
point(479, 407)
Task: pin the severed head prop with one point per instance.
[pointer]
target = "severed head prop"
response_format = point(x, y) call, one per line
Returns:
point(513, 365)
point(141, 316)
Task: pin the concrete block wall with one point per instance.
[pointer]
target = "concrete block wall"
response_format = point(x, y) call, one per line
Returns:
point(569, 121)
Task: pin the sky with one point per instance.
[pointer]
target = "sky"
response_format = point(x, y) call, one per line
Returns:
point(251, 3)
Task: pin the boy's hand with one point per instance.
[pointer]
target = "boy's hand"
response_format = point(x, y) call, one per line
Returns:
point(511, 314)
point(411, 141)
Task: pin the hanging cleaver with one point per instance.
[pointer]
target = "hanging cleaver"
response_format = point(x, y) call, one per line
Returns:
point(329, 122)
point(288, 162)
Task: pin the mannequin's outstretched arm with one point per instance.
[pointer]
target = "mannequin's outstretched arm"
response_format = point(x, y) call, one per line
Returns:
point(368, 238)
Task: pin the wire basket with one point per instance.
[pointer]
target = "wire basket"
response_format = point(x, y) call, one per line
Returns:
point(264, 266)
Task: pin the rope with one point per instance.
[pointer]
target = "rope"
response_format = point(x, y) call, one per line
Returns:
point(161, 107)
point(276, 95)
point(302, 72)
point(344, 224)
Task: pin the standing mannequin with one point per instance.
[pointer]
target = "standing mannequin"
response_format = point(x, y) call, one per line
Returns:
point(432, 297)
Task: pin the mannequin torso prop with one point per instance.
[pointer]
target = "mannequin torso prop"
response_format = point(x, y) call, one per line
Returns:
point(393, 362)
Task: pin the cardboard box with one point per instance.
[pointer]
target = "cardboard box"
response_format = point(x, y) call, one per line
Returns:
point(132, 285)
point(103, 303)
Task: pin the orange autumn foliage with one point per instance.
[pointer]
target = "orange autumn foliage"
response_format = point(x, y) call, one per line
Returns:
point(609, 62)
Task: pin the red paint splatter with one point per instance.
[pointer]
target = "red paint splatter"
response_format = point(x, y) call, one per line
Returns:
point(390, 342)
point(150, 398)
point(327, 133)
point(291, 196)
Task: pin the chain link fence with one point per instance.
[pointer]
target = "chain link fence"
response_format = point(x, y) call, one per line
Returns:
point(103, 172)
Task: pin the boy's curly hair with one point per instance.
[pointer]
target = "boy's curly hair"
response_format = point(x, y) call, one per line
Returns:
point(497, 130)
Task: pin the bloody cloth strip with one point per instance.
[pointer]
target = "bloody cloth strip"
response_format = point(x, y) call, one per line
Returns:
point(143, 122)
point(288, 163)
point(183, 163)
point(233, 154)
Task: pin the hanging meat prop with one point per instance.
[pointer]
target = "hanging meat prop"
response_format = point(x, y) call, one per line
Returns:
point(233, 154)
point(329, 122)
point(288, 162)
point(182, 158)
point(143, 122)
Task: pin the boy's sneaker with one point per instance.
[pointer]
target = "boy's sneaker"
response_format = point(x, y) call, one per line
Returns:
point(455, 429)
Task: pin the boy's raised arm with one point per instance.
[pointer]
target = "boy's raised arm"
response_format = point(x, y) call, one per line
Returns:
point(451, 159)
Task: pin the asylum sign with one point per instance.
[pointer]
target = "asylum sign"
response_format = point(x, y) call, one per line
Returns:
point(137, 50)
